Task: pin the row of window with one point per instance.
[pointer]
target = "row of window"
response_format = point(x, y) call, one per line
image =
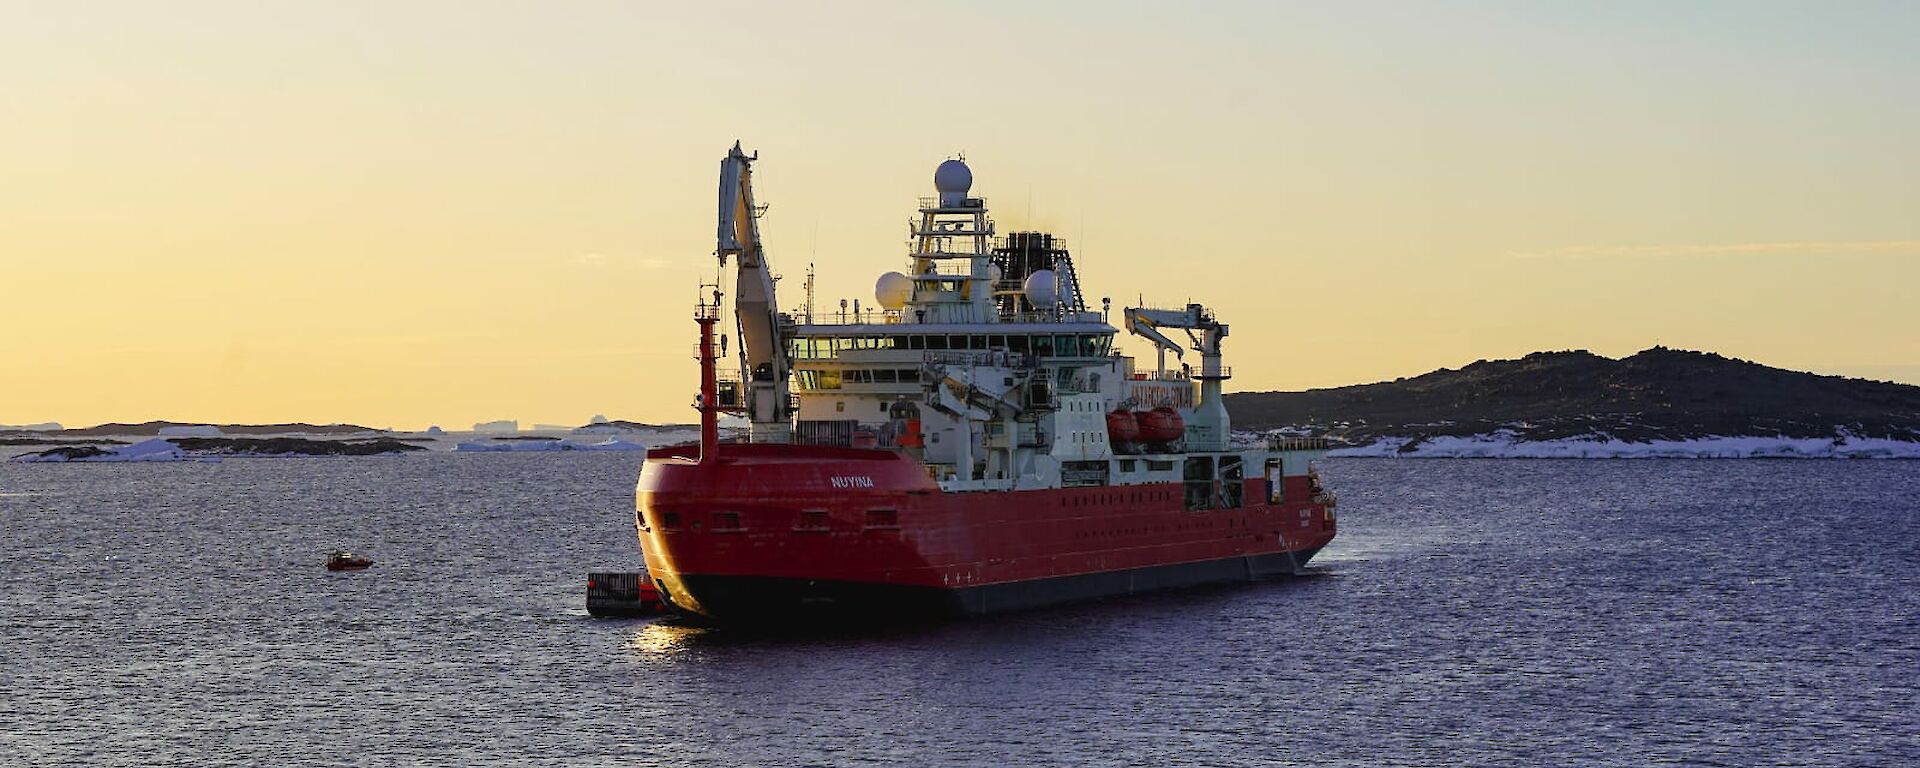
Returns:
point(808, 379)
point(1056, 345)
point(1197, 495)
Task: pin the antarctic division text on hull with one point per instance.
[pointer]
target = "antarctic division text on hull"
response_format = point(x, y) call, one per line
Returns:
point(973, 444)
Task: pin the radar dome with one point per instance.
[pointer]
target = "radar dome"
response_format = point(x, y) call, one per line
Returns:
point(1040, 289)
point(892, 290)
point(952, 179)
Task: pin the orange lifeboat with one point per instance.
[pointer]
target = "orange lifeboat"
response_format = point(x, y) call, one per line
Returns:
point(1161, 425)
point(1122, 427)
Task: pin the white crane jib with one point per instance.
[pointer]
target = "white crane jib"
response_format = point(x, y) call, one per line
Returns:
point(1207, 429)
point(763, 353)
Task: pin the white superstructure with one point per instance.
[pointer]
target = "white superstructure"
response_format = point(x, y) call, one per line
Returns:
point(981, 359)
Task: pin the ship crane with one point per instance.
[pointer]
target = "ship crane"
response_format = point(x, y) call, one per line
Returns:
point(1208, 428)
point(763, 353)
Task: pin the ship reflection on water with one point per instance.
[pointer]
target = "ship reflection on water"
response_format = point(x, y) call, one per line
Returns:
point(665, 638)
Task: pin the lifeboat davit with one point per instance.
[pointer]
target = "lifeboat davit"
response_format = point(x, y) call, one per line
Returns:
point(1161, 425)
point(1122, 427)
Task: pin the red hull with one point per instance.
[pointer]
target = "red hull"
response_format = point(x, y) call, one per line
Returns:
point(793, 521)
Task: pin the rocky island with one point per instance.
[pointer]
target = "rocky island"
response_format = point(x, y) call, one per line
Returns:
point(1659, 402)
point(216, 448)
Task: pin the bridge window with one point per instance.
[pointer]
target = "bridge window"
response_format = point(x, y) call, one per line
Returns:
point(1017, 344)
point(936, 342)
point(1066, 346)
point(1043, 345)
point(817, 379)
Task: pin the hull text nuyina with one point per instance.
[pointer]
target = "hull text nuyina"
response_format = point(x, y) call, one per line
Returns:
point(973, 444)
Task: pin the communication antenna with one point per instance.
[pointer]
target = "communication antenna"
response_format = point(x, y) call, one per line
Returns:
point(809, 293)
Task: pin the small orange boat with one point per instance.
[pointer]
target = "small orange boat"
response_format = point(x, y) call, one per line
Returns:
point(342, 560)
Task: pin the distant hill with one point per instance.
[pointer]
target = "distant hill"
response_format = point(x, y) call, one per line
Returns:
point(1658, 394)
point(153, 428)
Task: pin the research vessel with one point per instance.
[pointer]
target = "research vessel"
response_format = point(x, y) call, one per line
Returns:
point(972, 442)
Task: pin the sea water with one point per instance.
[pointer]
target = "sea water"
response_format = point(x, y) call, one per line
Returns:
point(1472, 612)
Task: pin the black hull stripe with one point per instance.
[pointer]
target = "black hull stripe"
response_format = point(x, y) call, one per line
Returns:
point(753, 599)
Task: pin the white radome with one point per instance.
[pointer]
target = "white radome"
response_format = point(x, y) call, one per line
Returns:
point(892, 290)
point(1040, 289)
point(952, 179)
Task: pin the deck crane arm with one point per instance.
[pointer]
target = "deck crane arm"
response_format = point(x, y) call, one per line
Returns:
point(763, 354)
point(1146, 323)
point(1208, 425)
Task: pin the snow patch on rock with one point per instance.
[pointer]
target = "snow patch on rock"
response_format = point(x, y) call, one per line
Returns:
point(1506, 445)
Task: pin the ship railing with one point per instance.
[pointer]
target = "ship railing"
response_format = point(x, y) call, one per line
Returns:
point(947, 265)
point(1159, 376)
point(1030, 240)
point(991, 357)
point(1054, 316)
point(1296, 443)
point(964, 229)
point(968, 205)
point(847, 317)
point(1225, 372)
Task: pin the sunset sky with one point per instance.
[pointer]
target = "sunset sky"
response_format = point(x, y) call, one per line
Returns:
point(414, 213)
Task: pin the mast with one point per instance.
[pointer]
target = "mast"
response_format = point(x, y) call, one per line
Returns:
point(707, 315)
point(952, 277)
point(763, 351)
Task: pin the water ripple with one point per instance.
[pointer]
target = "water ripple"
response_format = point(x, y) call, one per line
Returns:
point(1472, 613)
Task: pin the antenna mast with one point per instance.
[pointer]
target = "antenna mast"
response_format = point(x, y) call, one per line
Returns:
point(809, 293)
